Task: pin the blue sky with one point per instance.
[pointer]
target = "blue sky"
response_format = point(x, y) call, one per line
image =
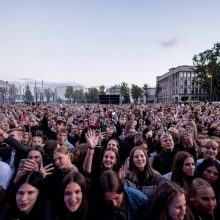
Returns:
point(103, 42)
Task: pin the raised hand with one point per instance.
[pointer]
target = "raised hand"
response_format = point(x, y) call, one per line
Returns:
point(123, 171)
point(73, 168)
point(47, 170)
point(30, 165)
point(91, 138)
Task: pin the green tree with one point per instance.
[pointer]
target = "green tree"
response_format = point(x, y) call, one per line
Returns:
point(28, 97)
point(69, 93)
point(208, 70)
point(102, 90)
point(92, 95)
point(59, 100)
point(74, 96)
point(78, 96)
point(12, 94)
point(81, 95)
point(48, 94)
point(3, 92)
point(125, 92)
point(146, 92)
point(136, 92)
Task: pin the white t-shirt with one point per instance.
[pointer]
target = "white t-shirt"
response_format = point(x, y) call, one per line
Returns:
point(5, 175)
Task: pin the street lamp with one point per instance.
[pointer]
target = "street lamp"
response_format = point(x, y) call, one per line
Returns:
point(210, 76)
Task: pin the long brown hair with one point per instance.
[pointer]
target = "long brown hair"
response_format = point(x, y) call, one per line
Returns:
point(164, 193)
point(148, 171)
point(110, 182)
point(177, 168)
point(198, 183)
point(75, 177)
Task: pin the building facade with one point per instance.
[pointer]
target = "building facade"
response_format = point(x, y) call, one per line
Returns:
point(150, 96)
point(179, 85)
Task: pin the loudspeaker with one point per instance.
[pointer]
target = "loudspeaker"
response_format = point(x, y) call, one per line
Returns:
point(109, 99)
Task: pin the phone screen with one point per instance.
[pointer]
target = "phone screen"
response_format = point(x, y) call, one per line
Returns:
point(47, 159)
point(103, 128)
point(23, 161)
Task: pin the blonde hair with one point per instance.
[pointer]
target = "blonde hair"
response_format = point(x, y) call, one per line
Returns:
point(63, 150)
point(209, 143)
point(198, 183)
point(128, 126)
point(165, 135)
point(29, 135)
point(19, 131)
point(175, 134)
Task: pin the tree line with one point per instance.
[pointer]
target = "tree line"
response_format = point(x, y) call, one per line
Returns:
point(208, 71)
point(92, 94)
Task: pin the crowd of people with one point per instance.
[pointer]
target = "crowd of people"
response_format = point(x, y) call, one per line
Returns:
point(110, 162)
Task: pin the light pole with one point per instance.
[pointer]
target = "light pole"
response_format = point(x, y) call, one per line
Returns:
point(35, 92)
point(210, 76)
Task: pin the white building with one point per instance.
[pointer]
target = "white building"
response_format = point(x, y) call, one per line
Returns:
point(60, 91)
point(178, 85)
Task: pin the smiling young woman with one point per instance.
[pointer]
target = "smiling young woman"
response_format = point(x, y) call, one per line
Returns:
point(73, 201)
point(141, 175)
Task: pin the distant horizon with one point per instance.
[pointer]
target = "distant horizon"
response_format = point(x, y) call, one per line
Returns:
point(58, 84)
